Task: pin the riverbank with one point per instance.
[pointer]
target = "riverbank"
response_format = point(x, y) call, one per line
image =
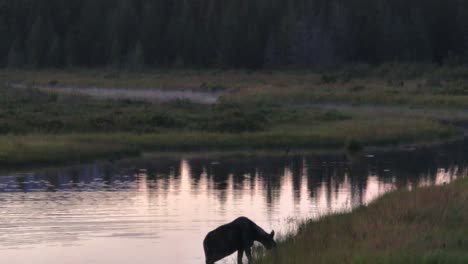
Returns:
point(426, 225)
point(39, 149)
point(280, 111)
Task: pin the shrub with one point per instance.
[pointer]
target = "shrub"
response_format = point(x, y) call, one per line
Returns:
point(212, 87)
point(162, 120)
point(234, 117)
point(353, 146)
point(333, 115)
point(328, 78)
point(353, 71)
point(358, 88)
point(53, 126)
point(102, 123)
point(458, 90)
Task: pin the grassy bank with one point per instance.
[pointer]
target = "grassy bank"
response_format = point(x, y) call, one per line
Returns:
point(47, 148)
point(260, 111)
point(389, 84)
point(427, 225)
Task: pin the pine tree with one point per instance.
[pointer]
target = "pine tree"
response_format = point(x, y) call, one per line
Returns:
point(37, 42)
point(179, 62)
point(121, 31)
point(393, 36)
point(315, 47)
point(231, 33)
point(271, 59)
point(54, 52)
point(151, 31)
point(462, 18)
point(116, 53)
point(136, 58)
point(418, 43)
point(71, 53)
point(15, 55)
point(5, 44)
point(286, 37)
point(341, 36)
point(91, 42)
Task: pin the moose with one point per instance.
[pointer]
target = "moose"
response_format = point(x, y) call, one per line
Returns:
point(239, 235)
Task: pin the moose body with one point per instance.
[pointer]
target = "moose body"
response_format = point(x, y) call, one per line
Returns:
point(239, 235)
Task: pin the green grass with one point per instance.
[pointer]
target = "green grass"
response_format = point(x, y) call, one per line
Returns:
point(261, 111)
point(370, 106)
point(390, 84)
point(427, 225)
point(47, 148)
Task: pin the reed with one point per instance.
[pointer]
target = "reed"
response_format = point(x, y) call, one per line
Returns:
point(427, 225)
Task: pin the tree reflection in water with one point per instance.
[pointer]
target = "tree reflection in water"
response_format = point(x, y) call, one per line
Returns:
point(171, 199)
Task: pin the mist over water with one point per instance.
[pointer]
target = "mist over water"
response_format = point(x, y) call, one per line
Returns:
point(158, 209)
point(147, 95)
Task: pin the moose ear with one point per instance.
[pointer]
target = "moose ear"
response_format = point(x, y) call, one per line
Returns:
point(272, 234)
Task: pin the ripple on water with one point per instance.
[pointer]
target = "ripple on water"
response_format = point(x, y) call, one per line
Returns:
point(101, 208)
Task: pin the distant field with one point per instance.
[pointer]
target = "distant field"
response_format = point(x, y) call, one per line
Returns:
point(347, 109)
point(390, 84)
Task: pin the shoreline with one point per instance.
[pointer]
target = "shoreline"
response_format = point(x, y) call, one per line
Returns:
point(423, 225)
point(96, 151)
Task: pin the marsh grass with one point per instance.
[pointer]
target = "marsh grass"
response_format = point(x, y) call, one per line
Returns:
point(263, 110)
point(47, 148)
point(427, 225)
point(362, 92)
point(390, 84)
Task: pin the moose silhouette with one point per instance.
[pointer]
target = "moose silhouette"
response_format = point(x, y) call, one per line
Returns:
point(239, 235)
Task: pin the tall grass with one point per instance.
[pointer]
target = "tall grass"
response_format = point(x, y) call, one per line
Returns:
point(50, 149)
point(404, 84)
point(423, 226)
point(23, 149)
point(263, 110)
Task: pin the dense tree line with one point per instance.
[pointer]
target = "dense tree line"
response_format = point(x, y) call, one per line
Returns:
point(230, 33)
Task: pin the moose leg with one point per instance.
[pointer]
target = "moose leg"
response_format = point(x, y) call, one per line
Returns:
point(240, 253)
point(248, 254)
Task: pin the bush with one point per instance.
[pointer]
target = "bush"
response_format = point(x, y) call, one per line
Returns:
point(53, 126)
point(4, 128)
point(234, 117)
point(212, 87)
point(457, 91)
point(358, 88)
point(353, 146)
point(162, 120)
point(333, 115)
point(102, 123)
point(353, 71)
point(328, 78)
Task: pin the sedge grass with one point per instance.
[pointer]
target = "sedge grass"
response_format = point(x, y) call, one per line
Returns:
point(427, 225)
point(46, 148)
point(416, 85)
point(262, 111)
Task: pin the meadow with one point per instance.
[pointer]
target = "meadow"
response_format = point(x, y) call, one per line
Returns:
point(346, 109)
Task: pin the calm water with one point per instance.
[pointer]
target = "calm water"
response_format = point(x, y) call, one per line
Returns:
point(158, 209)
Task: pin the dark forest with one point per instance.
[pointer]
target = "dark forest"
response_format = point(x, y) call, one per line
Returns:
point(231, 33)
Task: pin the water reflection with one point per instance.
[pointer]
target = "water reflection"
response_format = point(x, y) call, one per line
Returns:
point(159, 209)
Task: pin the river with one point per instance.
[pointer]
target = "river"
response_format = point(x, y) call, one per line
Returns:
point(157, 209)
